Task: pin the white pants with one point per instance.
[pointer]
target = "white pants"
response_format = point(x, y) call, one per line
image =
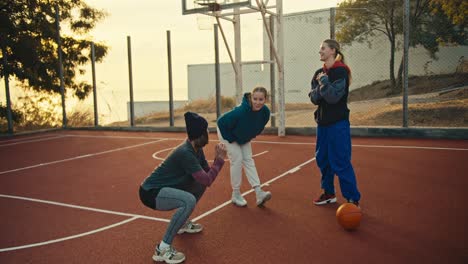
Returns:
point(240, 155)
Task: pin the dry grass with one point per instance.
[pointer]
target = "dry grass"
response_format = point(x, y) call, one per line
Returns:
point(416, 85)
point(206, 107)
point(299, 106)
point(449, 109)
point(82, 118)
point(209, 106)
point(451, 113)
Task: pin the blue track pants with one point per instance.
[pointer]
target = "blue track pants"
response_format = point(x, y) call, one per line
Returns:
point(333, 156)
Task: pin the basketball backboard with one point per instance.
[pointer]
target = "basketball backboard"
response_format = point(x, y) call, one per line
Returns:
point(203, 6)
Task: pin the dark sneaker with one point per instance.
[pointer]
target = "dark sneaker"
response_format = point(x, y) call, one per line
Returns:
point(168, 255)
point(325, 198)
point(190, 227)
point(354, 202)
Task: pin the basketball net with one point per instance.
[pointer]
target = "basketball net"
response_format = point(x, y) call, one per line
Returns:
point(205, 22)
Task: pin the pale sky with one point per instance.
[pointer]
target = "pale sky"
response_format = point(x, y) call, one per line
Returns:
point(147, 21)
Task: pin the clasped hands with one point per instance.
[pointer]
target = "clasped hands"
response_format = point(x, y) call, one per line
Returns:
point(319, 76)
point(220, 151)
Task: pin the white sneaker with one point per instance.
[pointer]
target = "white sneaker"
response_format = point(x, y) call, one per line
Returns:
point(263, 197)
point(168, 255)
point(190, 227)
point(238, 200)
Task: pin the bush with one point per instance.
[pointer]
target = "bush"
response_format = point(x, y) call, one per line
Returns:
point(40, 110)
point(15, 115)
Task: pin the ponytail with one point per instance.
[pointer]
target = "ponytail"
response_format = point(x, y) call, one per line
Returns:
point(339, 56)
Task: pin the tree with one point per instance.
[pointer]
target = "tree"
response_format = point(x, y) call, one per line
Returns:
point(361, 20)
point(456, 10)
point(28, 36)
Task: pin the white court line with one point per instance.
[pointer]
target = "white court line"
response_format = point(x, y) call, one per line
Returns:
point(365, 146)
point(409, 147)
point(155, 155)
point(83, 207)
point(308, 161)
point(133, 217)
point(80, 157)
point(122, 137)
point(69, 237)
point(247, 192)
point(283, 143)
point(29, 141)
point(299, 143)
point(23, 138)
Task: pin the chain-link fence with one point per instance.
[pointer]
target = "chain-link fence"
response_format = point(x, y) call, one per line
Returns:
point(437, 92)
point(437, 85)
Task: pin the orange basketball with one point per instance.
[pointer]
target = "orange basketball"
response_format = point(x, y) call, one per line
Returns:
point(349, 216)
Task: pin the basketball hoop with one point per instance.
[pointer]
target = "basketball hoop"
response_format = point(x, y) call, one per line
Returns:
point(212, 5)
point(205, 22)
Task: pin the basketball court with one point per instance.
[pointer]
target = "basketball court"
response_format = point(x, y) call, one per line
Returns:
point(72, 196)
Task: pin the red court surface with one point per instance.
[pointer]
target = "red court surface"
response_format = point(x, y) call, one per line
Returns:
point(72, 197)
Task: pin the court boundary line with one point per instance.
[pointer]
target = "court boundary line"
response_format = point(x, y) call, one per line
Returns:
point(69, 237)
point(297, 143)
point(83, 207)
point(133, 217)
point(122, 137)
point(80, 157)
point(267, 183)
point(23, 138)
point(29, 141)
point(409, 147)
point(201, 216)
point(154, 155)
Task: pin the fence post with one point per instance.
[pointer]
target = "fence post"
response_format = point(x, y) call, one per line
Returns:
point(130, 78)
point(7, 91)
point(169, 66)
point(280, 44)
point(272, 74)
point(93, 67)
point(217, 72)
point(332, 22)
point(406, 28)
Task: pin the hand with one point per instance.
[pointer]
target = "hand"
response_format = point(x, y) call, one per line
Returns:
point(320, 76)
point(220, 151)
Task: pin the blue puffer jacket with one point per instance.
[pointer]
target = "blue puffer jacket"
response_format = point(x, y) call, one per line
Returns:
point(241, 124)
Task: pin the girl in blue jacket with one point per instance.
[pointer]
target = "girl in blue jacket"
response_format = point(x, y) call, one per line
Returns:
point(330, 88)
point(236, 129)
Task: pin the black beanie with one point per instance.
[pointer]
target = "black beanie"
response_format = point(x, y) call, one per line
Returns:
point(195, 125)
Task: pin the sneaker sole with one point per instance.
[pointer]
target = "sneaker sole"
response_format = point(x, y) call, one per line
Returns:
point(329, 201)
point(170, 261)
point(266, 199)
point(190, 231)
point(238, 204)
